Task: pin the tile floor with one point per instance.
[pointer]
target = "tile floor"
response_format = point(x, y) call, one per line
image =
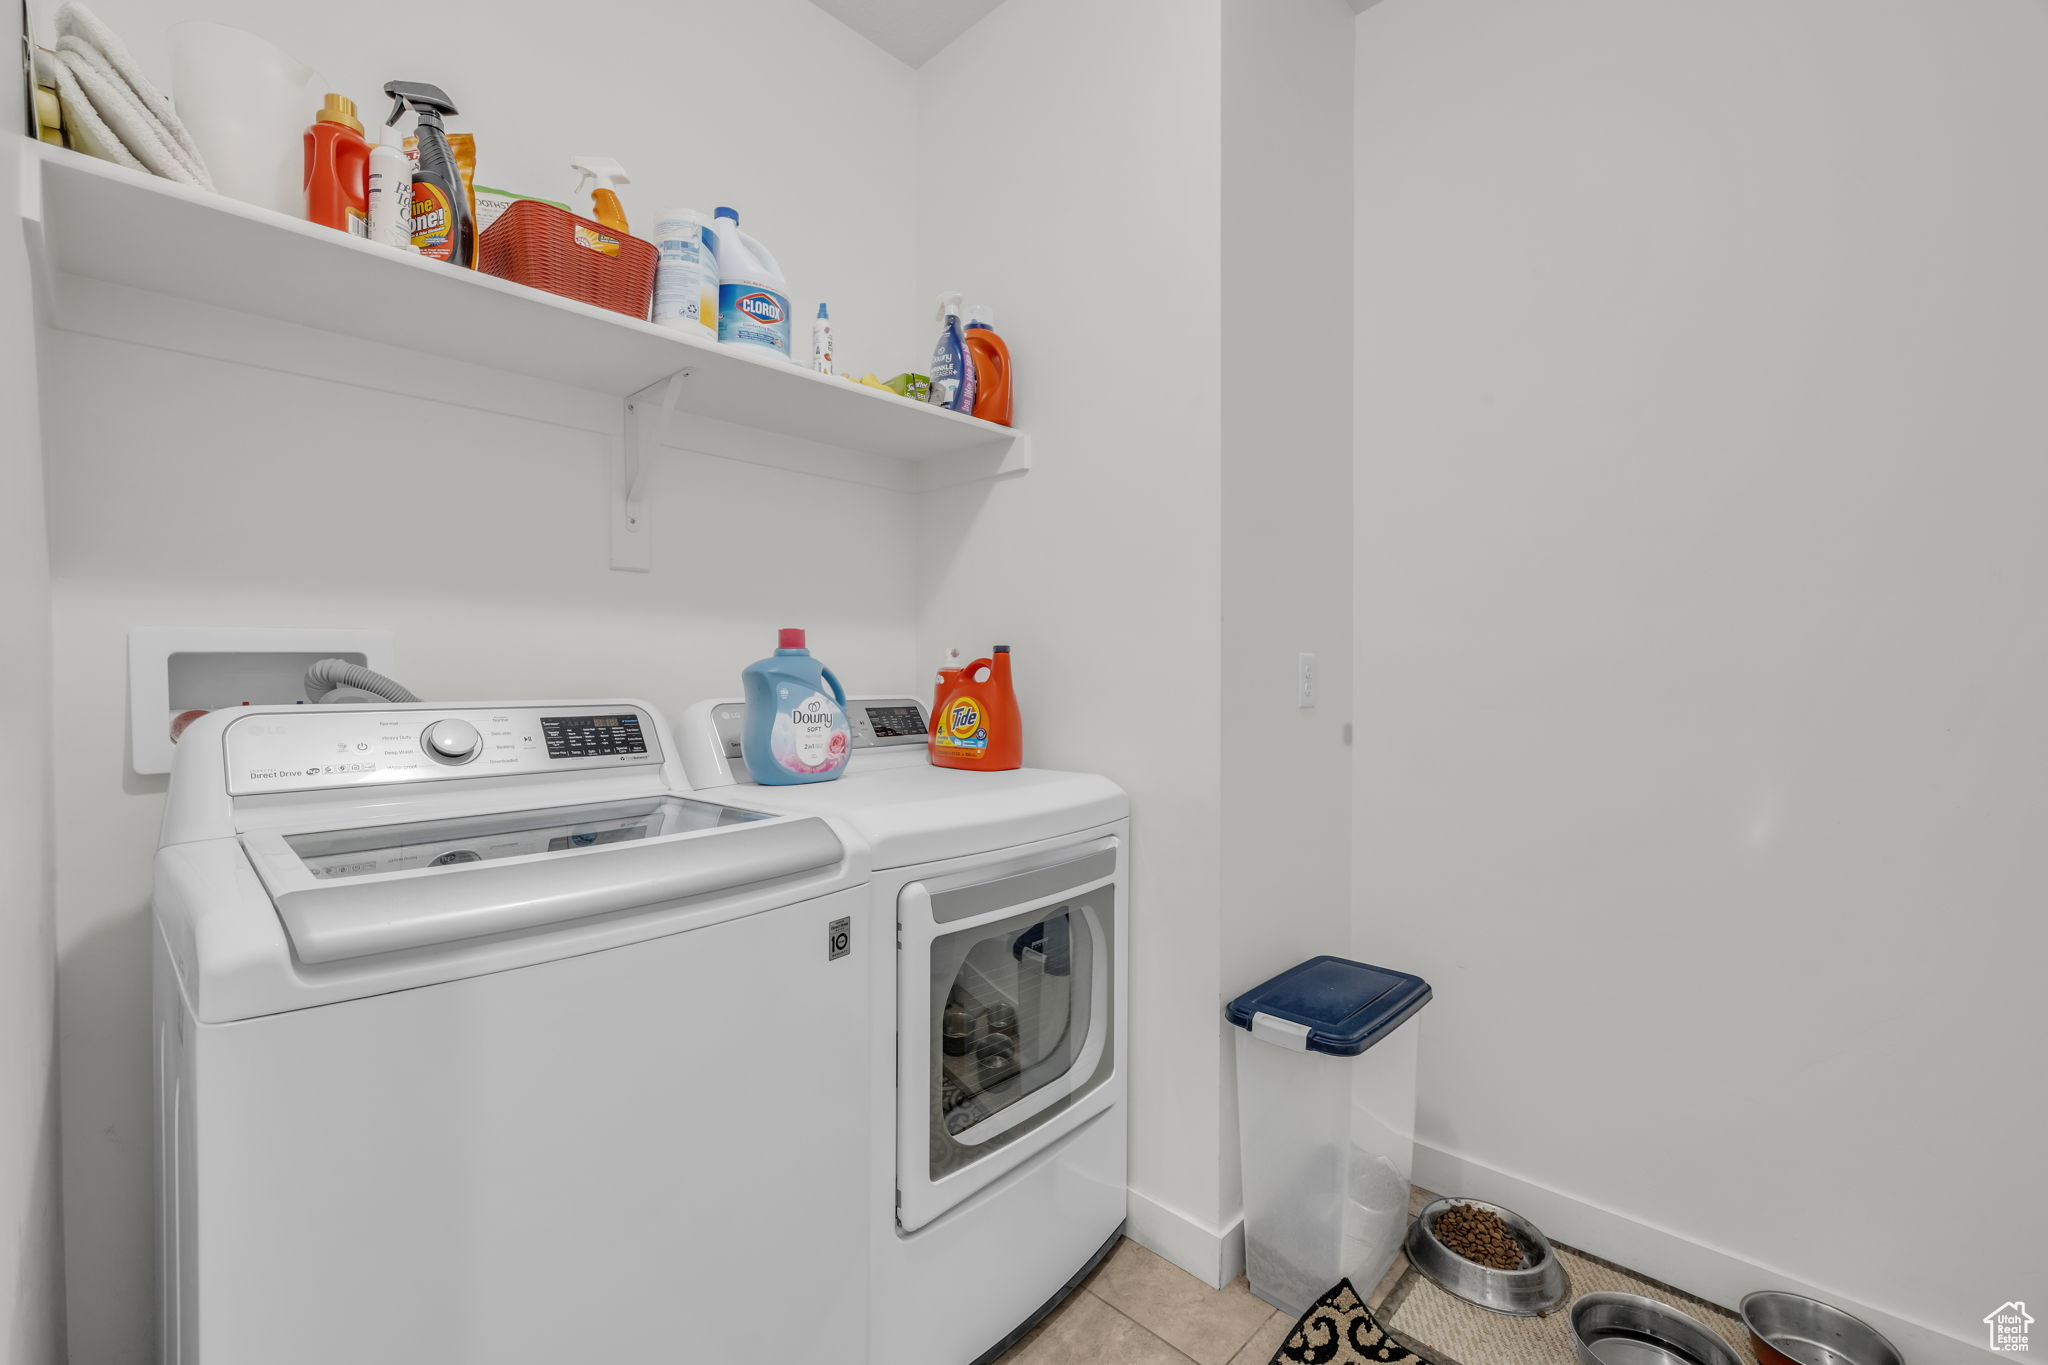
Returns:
point(1140, 1309)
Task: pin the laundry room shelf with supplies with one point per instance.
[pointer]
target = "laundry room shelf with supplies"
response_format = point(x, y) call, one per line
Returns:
point(129, 256)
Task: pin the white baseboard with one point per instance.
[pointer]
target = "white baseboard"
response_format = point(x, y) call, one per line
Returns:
point(1710, 1273)
point(1213, 1256)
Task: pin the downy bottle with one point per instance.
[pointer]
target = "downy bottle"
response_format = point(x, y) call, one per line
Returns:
point(796, 729)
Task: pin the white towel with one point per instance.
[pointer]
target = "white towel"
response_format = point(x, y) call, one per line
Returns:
point(112, 109)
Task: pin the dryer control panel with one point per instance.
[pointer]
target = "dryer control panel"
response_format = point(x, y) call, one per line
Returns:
point(315, 747)
point(877, 723)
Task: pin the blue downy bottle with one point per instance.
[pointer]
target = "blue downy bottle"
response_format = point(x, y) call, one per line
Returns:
point(796, 728)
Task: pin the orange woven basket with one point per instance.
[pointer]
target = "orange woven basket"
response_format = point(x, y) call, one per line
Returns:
point(536, 244)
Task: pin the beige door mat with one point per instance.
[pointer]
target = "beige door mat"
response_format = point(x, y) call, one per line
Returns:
point(1454, 1332)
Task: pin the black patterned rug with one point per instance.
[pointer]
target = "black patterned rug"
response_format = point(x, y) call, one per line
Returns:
point(1338, 1329)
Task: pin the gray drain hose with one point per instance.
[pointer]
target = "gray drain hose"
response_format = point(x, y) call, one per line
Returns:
point(337, 682)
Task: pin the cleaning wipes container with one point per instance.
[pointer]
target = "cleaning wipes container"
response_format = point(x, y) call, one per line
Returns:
point(1326, 1125)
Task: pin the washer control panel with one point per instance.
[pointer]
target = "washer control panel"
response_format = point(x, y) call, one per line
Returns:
point(311, 748)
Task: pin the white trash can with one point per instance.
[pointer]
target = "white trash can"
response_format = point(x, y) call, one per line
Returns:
point(1326, 1125)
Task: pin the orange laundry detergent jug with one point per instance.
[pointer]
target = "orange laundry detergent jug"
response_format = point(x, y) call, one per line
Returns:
point(991, 358)
point(978, 726)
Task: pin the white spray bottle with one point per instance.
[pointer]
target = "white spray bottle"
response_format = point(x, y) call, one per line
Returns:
point(390, 189)
point(821, 341)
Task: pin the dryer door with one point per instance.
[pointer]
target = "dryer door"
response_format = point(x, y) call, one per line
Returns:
point(1007, 1018)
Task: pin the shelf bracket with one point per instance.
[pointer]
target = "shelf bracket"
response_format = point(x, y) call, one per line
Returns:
point(36, 235)
point(648, 414)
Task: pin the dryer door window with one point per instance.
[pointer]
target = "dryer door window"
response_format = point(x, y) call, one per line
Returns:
point(1019, 1018)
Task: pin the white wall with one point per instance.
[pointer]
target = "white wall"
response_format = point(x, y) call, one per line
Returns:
point(31, 1308)
point(1700, 640)
point(1094, 232)
point(1185, 531)
point(1286, 385)
point(253, 497)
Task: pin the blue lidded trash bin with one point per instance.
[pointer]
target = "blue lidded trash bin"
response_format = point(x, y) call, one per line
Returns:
point(1326, 1125)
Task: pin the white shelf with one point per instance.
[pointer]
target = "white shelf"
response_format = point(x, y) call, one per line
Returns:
point(88, 220)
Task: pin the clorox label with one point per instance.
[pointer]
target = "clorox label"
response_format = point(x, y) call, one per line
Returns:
point(754, 316)
point(762, 307)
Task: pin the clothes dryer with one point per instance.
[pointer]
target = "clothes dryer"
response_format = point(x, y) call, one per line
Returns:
point(1000, 1079)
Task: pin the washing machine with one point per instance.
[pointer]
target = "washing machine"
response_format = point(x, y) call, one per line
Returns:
point(481, 1038)
point(1000, 1075)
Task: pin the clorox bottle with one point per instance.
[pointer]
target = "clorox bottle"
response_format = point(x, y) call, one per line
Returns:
point(753, 307)
point(979, 725)
point(796, 728)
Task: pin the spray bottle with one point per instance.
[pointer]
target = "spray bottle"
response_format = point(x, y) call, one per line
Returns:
point(443, 223)
point(390, 189)
point(952, 370)
point(604, 200)
point(821, 341)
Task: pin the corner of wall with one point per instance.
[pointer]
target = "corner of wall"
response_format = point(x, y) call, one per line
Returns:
point(31, 1265)
point(1212, 1255)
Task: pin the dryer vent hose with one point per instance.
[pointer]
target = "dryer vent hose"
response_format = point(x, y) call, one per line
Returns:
point(337, 682)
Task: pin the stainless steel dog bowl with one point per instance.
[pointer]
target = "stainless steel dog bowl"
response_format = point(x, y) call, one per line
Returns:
point(1628, 1329)
point(1790, 1329)
point(1535, 1289)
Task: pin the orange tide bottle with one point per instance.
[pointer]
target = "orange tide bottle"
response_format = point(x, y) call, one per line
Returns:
point(979, 726)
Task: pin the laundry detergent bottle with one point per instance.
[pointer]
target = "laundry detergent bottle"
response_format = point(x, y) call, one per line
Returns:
point(753, 302)
point(990, 356)
point(979, 726)
point(796, 728)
